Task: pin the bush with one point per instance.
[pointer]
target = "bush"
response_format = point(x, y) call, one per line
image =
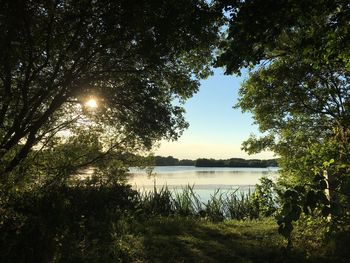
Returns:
point(65, 224)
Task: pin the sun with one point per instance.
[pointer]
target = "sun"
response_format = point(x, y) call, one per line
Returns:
point(91, 103)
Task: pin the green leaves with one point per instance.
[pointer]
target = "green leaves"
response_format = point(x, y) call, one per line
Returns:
point(136, 57)
point(303, 199)
point(298, 91)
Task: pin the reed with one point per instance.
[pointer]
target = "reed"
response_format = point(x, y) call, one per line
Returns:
point(221, 205)
point(215, 206)
point(186, 202)
point(156, 202)
point(240, 206)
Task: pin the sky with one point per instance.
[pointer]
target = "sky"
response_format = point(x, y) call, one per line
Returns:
point(216, 129)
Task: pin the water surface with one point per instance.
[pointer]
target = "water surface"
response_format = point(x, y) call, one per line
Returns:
point(205, 179)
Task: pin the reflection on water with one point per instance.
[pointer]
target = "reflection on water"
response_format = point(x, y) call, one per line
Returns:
point(205, 180)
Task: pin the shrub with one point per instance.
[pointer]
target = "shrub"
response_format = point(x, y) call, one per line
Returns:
point(65, 224)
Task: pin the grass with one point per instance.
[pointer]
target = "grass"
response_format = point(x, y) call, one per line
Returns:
point(200, 241)
point(178, 239)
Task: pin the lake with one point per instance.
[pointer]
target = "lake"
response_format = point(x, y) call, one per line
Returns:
point(206, 180)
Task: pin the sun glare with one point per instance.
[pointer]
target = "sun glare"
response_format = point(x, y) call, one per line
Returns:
point(91, 103)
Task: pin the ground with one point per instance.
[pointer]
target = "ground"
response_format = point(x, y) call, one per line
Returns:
point(189, 240)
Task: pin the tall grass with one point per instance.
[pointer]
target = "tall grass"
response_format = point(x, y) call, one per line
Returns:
point(241, 206)
point(186, 202)
point(221, 205)
point(156, 202)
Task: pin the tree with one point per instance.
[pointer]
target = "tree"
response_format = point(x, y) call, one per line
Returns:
point(133, 57)
point(298, 88)
point(165, 161)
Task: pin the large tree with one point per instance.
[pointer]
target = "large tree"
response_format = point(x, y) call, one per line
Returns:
point(133, 57)
point(298, 88)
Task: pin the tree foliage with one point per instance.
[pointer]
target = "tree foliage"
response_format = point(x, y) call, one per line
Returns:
point(297, 89)
point(133, 57)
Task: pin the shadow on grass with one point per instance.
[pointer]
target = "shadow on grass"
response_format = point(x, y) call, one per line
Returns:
point(185, 240)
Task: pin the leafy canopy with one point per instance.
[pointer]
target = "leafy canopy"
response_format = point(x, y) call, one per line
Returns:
point(298, 90)
point(133, 57)
point(298, 87)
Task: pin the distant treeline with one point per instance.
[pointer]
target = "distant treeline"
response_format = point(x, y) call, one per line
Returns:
point(171, 161)
point(235, 162)
point(202, 162)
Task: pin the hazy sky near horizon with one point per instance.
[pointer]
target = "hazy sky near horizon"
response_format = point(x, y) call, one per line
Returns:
point(216, 129)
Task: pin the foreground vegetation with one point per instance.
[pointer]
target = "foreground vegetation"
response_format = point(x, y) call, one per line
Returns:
point(187, 240)
point(113, 223)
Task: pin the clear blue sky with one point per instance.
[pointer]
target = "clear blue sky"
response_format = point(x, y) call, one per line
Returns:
point(216, 129)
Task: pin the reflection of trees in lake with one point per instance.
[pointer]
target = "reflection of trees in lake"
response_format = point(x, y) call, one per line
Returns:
point(209, 173)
